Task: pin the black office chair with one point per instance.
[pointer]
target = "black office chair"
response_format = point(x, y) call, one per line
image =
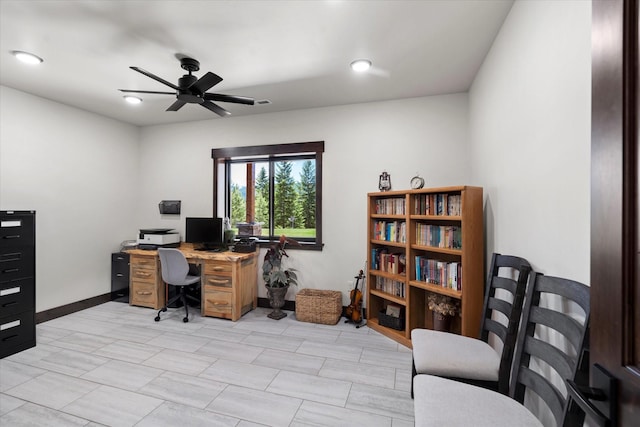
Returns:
point(475, 361)
point(175, 272)
point(440, 401)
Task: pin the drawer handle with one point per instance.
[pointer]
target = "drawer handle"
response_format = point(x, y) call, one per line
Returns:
point(218, 282)
point(11, 236)
point(9, 291)
point(10, 337)
point(217, 303)
point(143, 293)
point(11, 270)
point(143, 274)
point(218, 268)
point(119, 275)
point(9, 304)
point(119, 258)
point(10, 325)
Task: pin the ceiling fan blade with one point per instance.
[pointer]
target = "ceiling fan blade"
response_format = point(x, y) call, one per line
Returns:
point(228, 98)
point(206, 82)
point(215, 108)
point(176, 105)
point(146, 91)
point(154, 77)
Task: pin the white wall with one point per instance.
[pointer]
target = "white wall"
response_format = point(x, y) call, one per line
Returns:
point(427, 135)
point(78, 171)
point(530, 124)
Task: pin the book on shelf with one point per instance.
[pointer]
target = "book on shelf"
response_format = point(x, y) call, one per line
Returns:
point(391, 206)
point(441, 273)
point(390, 231)
point(439, 236)
point(390, 286)
point(381, 260)
point(438, 204)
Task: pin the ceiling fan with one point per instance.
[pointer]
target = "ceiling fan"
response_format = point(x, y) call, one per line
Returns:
point(191, 90)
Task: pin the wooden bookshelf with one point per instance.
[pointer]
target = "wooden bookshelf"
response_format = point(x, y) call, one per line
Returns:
point(450, 232)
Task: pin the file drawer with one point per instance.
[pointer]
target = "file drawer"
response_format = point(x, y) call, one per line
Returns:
point(16, 263)
point(17, 229)
point(17, 332)
point(217, 303)
point(146, 295)
point(119, 266)
point(16, 296)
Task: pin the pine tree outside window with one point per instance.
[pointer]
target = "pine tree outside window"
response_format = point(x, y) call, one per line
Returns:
point(272, 190)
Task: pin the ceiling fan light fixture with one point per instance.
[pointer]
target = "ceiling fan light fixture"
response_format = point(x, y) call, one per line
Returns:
point(360, 65)
point(26, 57)
point(134, 100)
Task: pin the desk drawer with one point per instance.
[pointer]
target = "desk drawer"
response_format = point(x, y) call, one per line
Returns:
point(147, 262)
point(224, 282)
point(16, 296)
point(17, 332)
point(219, 268)
point(217, 303)
point(144, 294)
point(143, 274)
point(16, 263)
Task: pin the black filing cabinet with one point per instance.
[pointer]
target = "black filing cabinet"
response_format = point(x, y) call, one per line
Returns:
point(17, 281)
point(120, 277)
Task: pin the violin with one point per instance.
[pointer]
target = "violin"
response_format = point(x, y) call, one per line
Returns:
point(354, 310)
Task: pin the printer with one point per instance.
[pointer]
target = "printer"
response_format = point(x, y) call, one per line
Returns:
point(154, 238)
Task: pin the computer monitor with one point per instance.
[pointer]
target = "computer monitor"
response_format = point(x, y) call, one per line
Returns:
point(204, 232)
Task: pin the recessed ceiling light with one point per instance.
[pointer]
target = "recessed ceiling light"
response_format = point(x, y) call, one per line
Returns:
point(360, 65)
point(26, 57)
point(132, 99)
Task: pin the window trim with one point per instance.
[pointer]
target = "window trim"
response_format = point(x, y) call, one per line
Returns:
point(272, 153)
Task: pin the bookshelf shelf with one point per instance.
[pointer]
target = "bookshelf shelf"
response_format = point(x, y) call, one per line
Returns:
point(388, 297)
point(457, 252)
point(443, 229)
point(436, 289)
point(398, 277)
point(387, 243)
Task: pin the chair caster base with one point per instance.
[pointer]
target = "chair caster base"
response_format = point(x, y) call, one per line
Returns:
point(185, 320)
point(157, 319)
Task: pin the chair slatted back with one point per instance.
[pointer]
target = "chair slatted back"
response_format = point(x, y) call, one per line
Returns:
point(531, 345)
point(511, 274)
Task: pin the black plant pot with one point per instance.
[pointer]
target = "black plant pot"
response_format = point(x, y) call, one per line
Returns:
point(276, 300)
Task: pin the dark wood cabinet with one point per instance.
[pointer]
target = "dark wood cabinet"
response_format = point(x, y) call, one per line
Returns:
point(17, 281)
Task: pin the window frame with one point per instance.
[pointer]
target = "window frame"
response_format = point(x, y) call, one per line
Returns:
point(270, 153)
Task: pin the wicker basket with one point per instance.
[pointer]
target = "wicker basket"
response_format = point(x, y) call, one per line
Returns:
point(318, 306)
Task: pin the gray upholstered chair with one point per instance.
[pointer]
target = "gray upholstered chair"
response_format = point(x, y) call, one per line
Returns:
point(175, 272)
point(476, 361)
point(440, 401)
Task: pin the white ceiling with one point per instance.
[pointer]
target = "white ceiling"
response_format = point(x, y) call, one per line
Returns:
point(294, 53)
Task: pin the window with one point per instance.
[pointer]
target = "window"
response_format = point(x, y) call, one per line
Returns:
point(270, 190)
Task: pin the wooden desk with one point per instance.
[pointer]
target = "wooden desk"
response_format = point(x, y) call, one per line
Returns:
point(229, 281)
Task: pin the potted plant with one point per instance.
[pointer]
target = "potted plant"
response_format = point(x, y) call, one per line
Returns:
point(276, 278)
point(443, 308)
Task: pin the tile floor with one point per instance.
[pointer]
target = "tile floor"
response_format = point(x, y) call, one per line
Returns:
point(113, 365)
